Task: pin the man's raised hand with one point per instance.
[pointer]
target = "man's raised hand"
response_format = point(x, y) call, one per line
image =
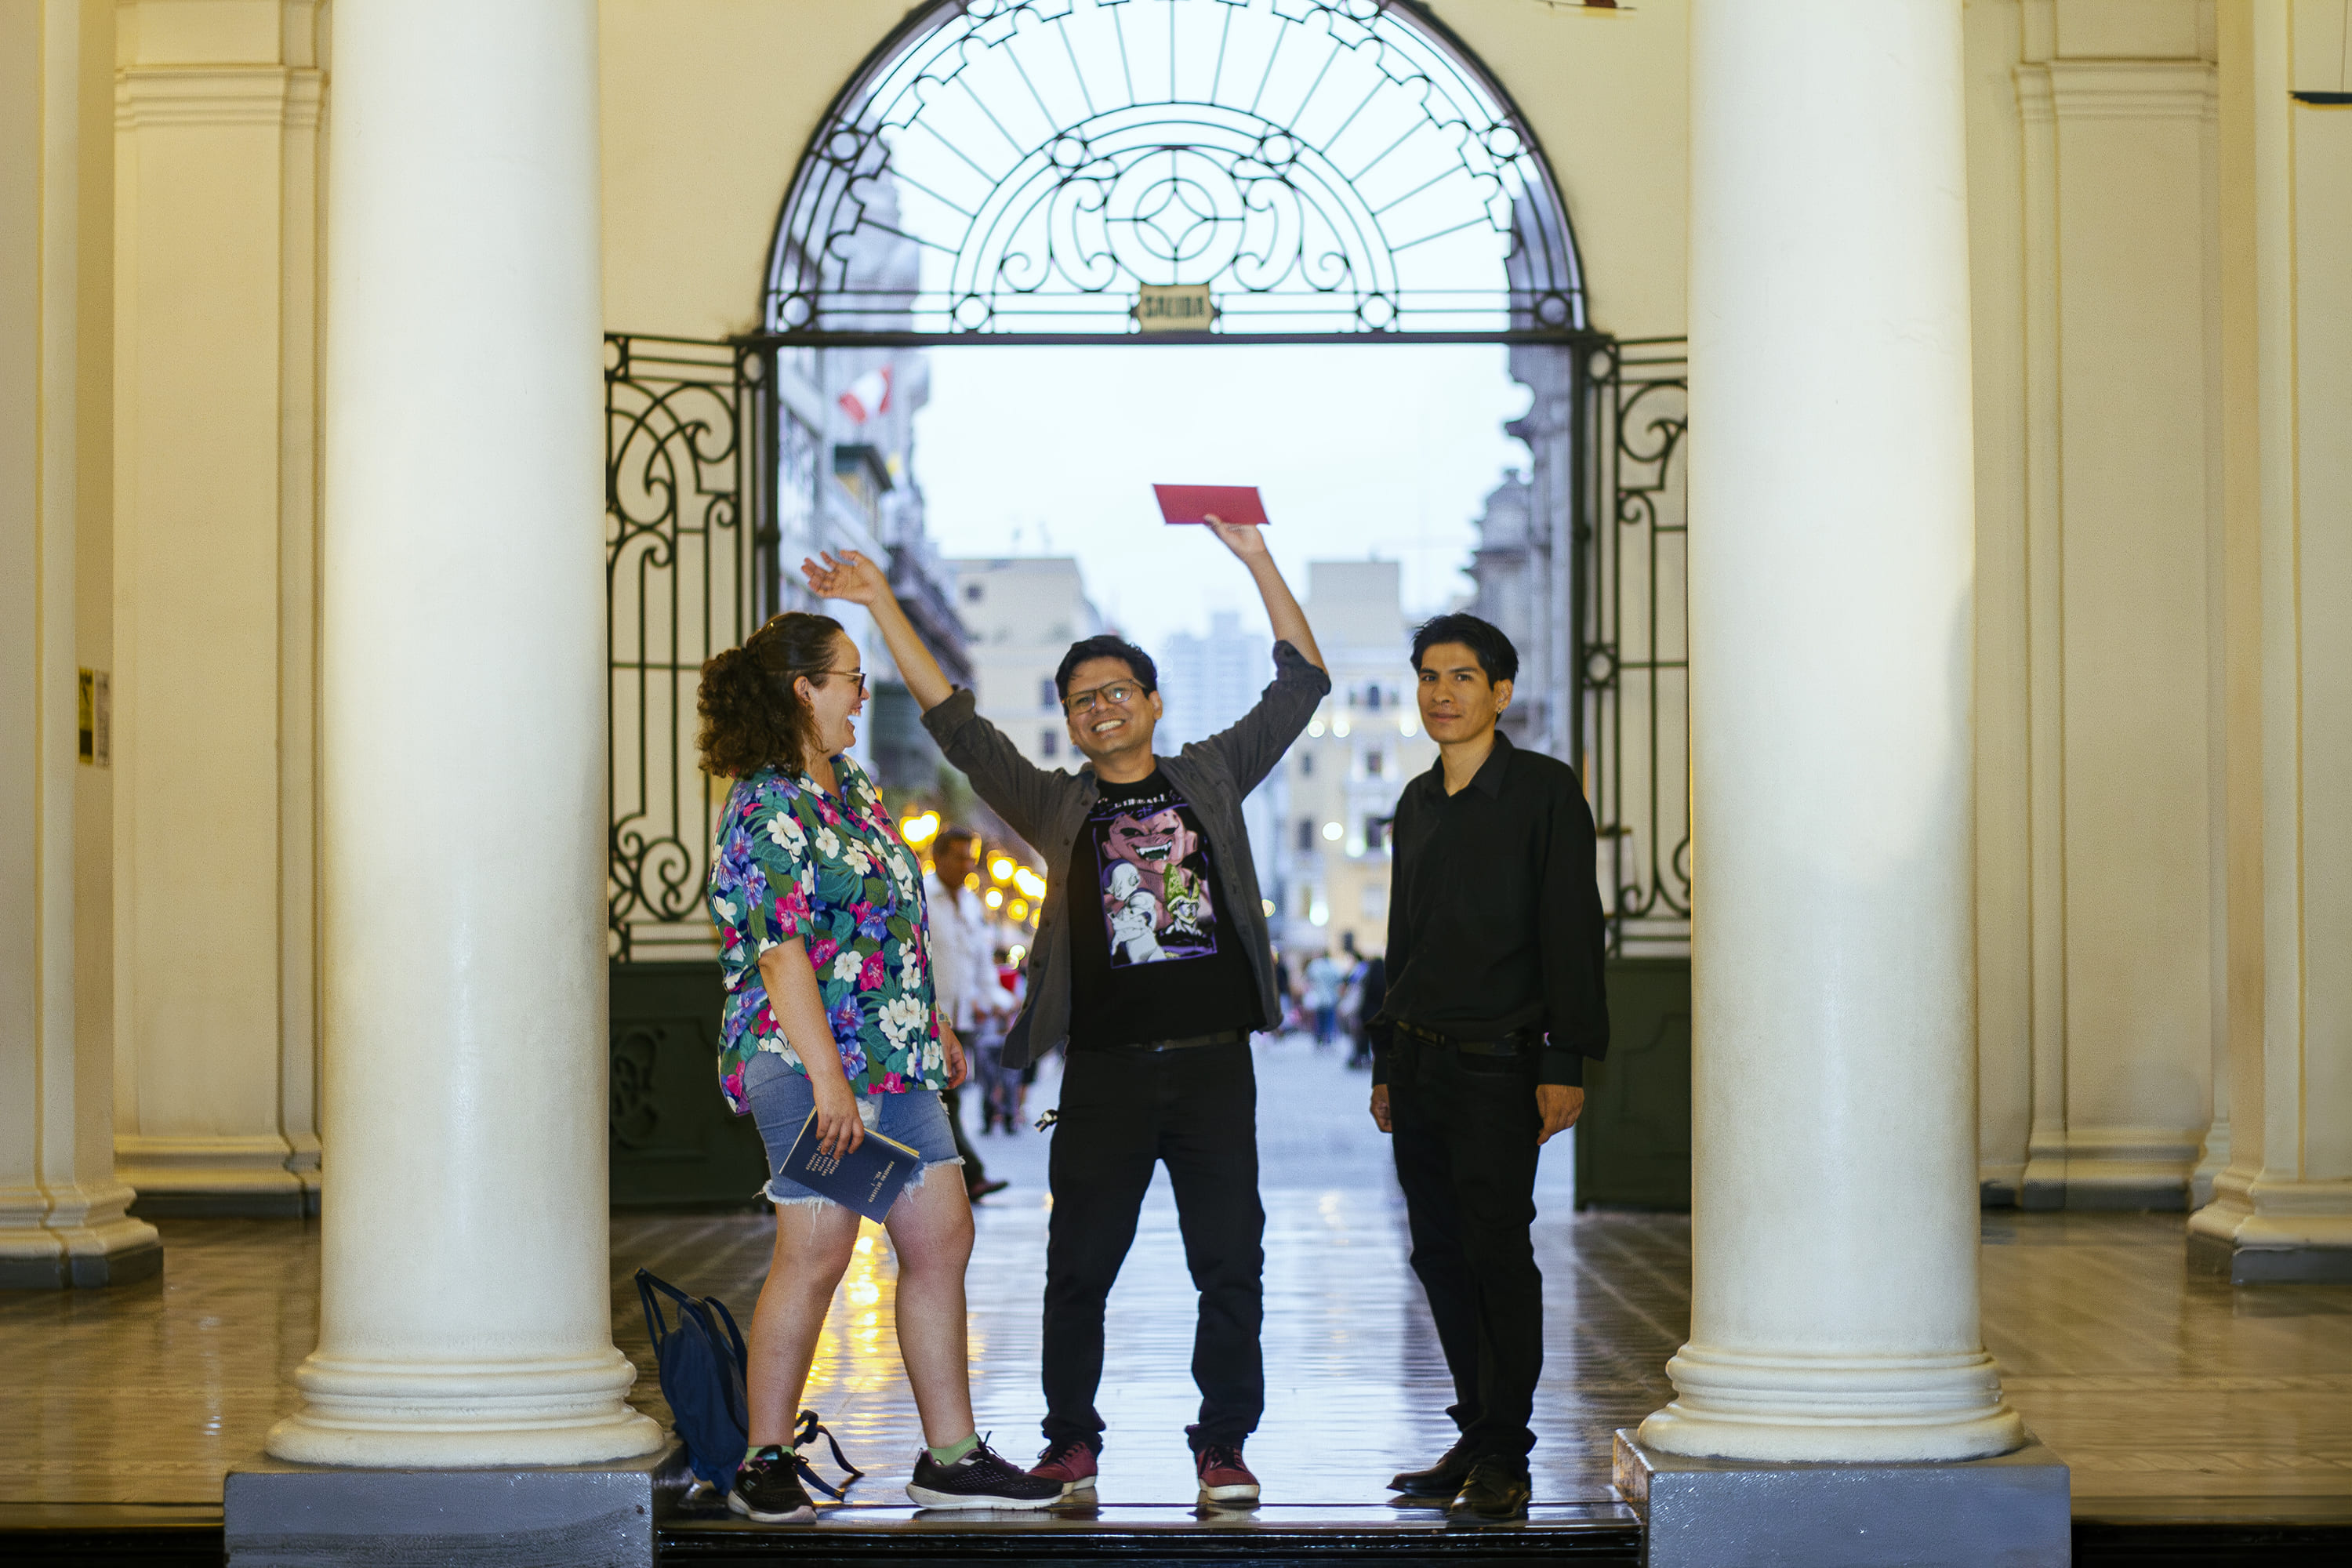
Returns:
point(853, 577)
point(1244, 539)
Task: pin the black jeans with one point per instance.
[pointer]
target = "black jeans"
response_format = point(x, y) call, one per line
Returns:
point(1465, 1129)
point(1122, 1112)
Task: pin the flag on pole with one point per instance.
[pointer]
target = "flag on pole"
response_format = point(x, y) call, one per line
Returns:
point(868, 396)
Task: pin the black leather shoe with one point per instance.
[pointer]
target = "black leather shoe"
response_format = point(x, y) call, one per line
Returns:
point(1442, 1480)
point(1497, 1489)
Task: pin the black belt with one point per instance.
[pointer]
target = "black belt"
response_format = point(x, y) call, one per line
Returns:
point(1518, 1042)
point(1219, 1038)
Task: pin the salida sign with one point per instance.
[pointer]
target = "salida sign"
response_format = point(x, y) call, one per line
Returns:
point(1173, 308)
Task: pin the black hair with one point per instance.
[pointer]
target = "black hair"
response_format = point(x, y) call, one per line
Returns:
point(959, 836)
point(1147, 674)
point(1495, 655)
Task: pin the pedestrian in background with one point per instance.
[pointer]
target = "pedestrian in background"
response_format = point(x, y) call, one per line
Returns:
point(963, 971)
point(1323, 996)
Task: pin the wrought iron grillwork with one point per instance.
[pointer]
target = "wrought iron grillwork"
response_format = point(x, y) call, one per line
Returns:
point(690, 568)
point(1325, 166)
point(1633, 667)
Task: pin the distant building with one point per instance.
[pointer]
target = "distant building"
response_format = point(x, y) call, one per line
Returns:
point(1342, 778)
point(1509, 587)
point(1206, 682)
point(846, 477)
point(1020, 614)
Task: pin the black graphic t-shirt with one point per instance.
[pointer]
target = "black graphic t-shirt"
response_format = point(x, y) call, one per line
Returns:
point(1157, 960)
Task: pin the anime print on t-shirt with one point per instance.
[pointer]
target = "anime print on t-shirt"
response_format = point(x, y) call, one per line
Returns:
point(1151, 866)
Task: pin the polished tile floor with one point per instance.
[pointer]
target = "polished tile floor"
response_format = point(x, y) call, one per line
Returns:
point(2151, 1384)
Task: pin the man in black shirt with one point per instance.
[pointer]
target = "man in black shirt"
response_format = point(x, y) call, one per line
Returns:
point(1151, 960)
point(1495, 950)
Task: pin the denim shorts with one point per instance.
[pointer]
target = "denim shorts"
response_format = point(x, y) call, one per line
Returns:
point(781, 1103)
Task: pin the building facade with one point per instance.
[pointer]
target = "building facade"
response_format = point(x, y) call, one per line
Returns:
point(1342, 778)
point(1022, 614)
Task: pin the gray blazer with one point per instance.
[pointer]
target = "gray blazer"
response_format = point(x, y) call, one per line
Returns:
point(1048, 806)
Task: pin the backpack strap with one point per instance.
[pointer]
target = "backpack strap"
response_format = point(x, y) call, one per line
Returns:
point(734, 1334)
point(647, 1283)
point(811, 1427)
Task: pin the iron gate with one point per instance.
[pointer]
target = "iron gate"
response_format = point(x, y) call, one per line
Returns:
point(1633, 665)
point(691, 534)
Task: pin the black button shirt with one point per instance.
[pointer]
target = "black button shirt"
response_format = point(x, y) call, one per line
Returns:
point(1495, 919)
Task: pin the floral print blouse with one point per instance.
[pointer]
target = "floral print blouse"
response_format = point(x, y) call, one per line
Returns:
point(794, 861)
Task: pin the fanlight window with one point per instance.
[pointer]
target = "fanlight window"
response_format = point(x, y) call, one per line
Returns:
point(1025, 166)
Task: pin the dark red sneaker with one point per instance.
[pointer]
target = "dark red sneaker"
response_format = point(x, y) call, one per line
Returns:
point(1223, 1478)
point(1071, 1463)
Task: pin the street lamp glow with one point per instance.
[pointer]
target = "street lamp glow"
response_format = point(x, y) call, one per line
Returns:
point(993, 897)
point(1000, 869)
point(1029, 882)
point(1334, 832)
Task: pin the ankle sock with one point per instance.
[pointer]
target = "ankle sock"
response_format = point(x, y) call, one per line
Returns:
point(949, 1453)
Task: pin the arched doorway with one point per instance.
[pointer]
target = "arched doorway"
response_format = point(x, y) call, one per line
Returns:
point(1338, 166)
point(1164, 172)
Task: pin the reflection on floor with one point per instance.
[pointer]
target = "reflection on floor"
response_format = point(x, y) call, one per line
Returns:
point(2151, 1383)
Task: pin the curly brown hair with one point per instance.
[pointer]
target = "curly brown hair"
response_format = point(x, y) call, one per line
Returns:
point(751, 716)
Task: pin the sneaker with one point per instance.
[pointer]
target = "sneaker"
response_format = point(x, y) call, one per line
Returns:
point(768, 1488)
point(1497, 1489)
point(1223, 1478)
point(1070, 1464)
point(979, 1480)
point(1442, 1480)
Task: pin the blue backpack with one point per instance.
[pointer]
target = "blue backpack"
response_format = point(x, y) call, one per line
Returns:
point(702, 1372)
point(702, 1377)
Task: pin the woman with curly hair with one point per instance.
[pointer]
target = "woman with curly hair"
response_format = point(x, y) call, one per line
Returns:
point(825, 944)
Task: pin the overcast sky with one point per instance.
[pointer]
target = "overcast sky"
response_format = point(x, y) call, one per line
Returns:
point(1381, 450)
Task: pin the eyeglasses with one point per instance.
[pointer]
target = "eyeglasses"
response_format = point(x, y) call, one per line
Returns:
point(859, 674)
point(1118, 693)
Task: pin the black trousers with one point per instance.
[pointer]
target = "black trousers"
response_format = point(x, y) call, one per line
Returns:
point(1464, 1130)
point(974, 1172)
point(1122, 1112)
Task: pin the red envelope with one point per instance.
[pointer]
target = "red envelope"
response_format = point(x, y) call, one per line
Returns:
point(1193, 503)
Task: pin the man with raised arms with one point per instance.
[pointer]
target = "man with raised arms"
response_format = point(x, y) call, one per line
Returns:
point(1151, 960)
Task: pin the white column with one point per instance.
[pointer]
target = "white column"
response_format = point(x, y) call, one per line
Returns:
point(1834, 1204)
point(61, 1210)
point(2282, 1209)
point(464, 1316)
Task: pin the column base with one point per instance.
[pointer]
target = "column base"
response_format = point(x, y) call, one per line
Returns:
point(2244, 1264)
point(1853, 1409)
point(2011, 1510)
point(63, 1270)
point(73, 1238)
point(244, 1176)
point(400, 1415)
point(2124, 1169)
point(278, 1515)
point(2260, 1232)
